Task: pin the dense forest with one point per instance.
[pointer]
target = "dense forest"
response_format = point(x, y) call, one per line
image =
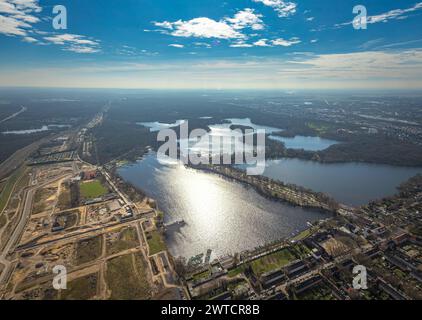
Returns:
point(39, 113)
point(11, 143)
point(114, 139)
point(120, 133)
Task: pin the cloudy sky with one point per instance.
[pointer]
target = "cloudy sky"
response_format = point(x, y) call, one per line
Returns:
point(211, 44)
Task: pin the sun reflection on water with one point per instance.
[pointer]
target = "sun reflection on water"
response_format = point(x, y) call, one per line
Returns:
point(219, 214)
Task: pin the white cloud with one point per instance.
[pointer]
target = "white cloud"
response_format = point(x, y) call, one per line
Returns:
point(202, 44)
point(13, 27)
point(75, 43)
point(393, 14)
point(203, 27)
point(261, 43)
point(246, 18)
point(396, 14)
point(241, 44)
point(26, 5)
point(266, 43)
point(29, 39)
point(176, 45)
point(17, 16)
point(402, 66)
point(131, 51)
point(70, 38)
point(228, 28)
point(371, 43)
point(165, 25)
point(314, 40)
point(283, 8)
point(285, 43)
point(81, 49)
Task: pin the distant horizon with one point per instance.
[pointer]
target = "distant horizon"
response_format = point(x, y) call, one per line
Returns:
point(243, 90)
point(212, 45)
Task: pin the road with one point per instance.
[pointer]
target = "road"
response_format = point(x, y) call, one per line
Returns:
point(24, 217)
point(16, 234)
point(106, 175)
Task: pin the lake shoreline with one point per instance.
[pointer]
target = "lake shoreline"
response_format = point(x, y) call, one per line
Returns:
point(311, 200)
point(214, 209)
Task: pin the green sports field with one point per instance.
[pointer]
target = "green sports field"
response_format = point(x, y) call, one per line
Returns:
point(92, 189)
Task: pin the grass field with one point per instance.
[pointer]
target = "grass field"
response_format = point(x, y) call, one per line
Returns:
point(155, 242)
point(272, 261)
point(236, 271)
point(126, 277)
point(83, 288)
point(321, 129)
point(2, 184)
point(202, 275)
point(303, 235)
point(128, 238)
point(88, 250)
point(300, 250)
point(92, 189)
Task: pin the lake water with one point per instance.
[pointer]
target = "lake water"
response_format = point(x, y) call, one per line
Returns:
point(42, 129)
point(306, 143)
point(247, 122)
point(349, 183)
point(157, 126)
point(221, 215)
point(28, 131)
point(223, 129)
point(226, 217)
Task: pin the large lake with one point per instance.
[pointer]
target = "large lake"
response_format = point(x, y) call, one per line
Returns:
point(221, 215)
point(349, 183)
point(226, 217)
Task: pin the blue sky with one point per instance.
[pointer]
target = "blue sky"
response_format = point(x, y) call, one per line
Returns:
point(211, 44)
